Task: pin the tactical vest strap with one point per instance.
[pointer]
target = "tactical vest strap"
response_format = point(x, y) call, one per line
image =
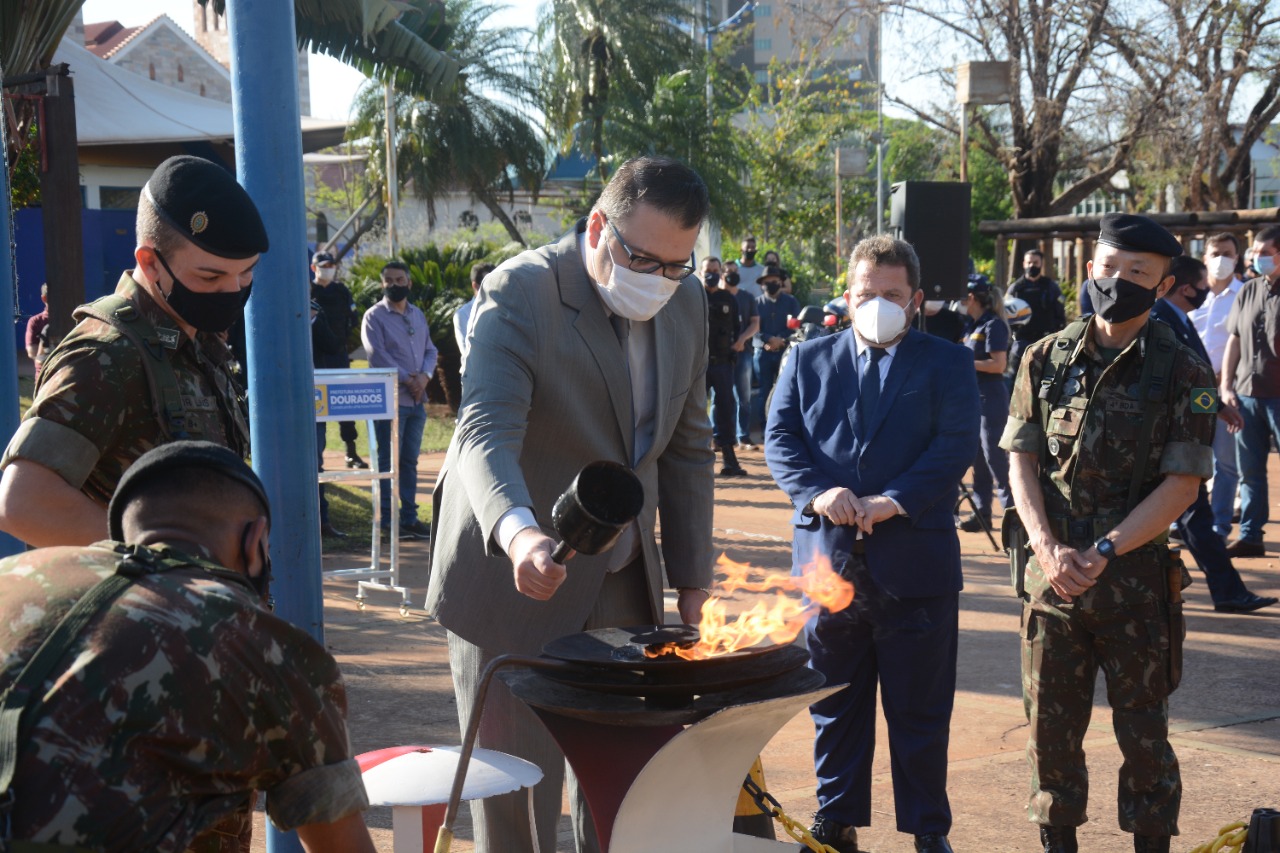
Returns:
point(166, 397)
point(1051, 380)
point(23, 696)
point(1161, 348)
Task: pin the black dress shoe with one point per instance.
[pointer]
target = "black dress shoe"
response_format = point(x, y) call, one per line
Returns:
point(1246, 603)
point(354, 461)
point(1242, 548)
point(1058, 839)
point(841, 838)
point(975, 523)
point(328, 531)
point(933, 842)
point(733, 471)
point(1151, 843)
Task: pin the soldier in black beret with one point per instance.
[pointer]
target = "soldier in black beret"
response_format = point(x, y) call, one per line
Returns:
point(145, 365)
point(1109, 438)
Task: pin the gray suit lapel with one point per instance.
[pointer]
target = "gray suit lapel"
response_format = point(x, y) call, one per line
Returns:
point(578, 292)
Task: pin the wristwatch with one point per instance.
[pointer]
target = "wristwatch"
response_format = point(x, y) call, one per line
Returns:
point(1106, 548)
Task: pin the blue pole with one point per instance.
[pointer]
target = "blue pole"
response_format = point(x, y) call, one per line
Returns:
point(264, 96)
point(9, 414)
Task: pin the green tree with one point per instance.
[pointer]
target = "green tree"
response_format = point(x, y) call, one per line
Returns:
point(602, 60)
point(478, 136)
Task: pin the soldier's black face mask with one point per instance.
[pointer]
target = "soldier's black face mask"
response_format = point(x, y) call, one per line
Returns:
point(208, 312)
point(1118, 299)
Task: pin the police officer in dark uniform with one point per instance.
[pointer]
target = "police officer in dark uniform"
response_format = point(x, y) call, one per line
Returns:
point(1048, 314)
point(722, 315)
point(338, 309)
point(987, 336)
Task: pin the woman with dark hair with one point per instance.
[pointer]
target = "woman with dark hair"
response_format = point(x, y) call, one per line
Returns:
point(988, 337)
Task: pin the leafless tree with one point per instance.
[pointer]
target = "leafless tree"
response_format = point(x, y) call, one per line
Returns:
point(1077, 108)
point(1228, 93)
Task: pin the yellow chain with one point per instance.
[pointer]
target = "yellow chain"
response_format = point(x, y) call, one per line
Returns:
point(770, 806)
point(1230, 838)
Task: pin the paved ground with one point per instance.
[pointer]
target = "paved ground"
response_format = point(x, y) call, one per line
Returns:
point(1226, 715)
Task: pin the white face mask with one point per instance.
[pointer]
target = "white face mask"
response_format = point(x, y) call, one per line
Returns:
point(326, 274)
point(636, 295)
point(1221, 267)
point(879, 321)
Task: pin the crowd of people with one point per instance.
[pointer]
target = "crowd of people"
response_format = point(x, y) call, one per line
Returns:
point(614, 343)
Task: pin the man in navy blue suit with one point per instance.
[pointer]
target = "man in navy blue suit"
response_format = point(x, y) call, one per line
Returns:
point(1195, 526)
point(869, 434)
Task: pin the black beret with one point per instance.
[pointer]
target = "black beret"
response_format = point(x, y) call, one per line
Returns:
point(202, 201)
point(1136, 233)
point(160, 461)
point(773, 272)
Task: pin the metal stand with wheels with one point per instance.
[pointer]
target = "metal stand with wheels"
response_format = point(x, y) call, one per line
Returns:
point(966, 494)
point(369, 395)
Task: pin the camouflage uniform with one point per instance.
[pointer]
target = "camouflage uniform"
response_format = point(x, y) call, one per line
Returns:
point(1121, 624)
point(174, 704)
point(93, 413)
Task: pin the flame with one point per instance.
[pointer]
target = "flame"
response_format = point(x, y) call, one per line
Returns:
point(781, 622)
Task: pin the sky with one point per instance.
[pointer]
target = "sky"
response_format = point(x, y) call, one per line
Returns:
point(333, 84)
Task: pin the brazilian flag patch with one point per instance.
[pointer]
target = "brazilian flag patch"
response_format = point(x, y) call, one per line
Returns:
point(1204, 401)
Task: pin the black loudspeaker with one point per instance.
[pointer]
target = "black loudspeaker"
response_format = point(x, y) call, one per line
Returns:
point(933, 216)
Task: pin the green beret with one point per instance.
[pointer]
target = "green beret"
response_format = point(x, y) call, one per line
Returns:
point(1135, 233)
point(159, 462)
point(202, 201)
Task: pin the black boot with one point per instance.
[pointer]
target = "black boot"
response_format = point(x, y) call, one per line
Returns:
point(1151, 843)
point(1058, 839)
point(353, 458)
point(731, 467)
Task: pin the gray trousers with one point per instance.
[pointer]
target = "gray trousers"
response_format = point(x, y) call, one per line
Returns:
point(501, 824)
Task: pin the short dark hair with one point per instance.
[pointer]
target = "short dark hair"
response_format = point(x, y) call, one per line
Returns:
point(666, 184)
point(1225, 237)
point(885, 251)
point(710, 259)
point(479, 270)
point(1270, 234)
point(1039, 254)
point(395, 265)
point(750, 238)
point(1186, 270)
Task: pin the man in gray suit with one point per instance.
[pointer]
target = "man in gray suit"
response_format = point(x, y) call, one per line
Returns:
point(593, 348)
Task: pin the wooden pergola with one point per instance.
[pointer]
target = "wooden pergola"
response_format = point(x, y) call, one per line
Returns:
point(1069, 239)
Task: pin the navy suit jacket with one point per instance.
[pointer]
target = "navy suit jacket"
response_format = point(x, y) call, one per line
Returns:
point(922, 439)
point(1182, 327)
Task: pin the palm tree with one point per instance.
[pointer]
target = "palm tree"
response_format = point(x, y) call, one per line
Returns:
point(602, 58)
point(478, 136)
point(368, 34)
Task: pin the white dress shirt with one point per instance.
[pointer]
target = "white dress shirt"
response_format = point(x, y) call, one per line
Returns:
point(1210, 320)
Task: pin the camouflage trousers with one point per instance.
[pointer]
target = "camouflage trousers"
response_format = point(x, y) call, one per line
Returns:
point(1063, 647)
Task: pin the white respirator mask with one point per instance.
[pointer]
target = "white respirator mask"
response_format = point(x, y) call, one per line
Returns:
point(636, 295)
point(879, 321)
point(1221, 267)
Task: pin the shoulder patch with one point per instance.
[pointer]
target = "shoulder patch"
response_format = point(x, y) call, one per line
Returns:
point(1204, 401)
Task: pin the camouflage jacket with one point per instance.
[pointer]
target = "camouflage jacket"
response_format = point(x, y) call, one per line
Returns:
point(1091, 444)
point(173, 706)
point(93, 413)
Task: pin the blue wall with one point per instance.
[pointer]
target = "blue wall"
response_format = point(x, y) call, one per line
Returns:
point(108, 251)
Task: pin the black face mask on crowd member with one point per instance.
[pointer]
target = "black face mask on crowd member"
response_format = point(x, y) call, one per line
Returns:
point(207, 312)
point(1198, 296)
point(1033, 271)
point(397, 292)
point(732, 279)
point(711, 280)
point(772, 287)
point(1118, 299)
point(748, 255)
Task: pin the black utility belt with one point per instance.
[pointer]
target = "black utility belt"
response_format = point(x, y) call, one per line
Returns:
point(1087, 529)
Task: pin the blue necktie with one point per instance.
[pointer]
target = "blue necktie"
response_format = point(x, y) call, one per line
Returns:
point(869, 388)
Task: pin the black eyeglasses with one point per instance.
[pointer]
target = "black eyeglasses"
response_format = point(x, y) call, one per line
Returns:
point(641, 264)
